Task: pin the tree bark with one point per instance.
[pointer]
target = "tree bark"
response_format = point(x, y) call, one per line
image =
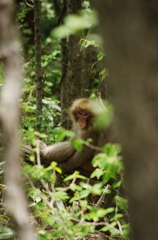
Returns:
point(71, 86)
point(131, 43)
point(75, 80)
point(38, 68)
point(60, 14)
point(86, 70)
point(9, 117)
point(64, 85)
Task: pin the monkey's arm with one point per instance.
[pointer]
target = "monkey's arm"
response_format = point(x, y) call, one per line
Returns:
point(77, 159)
point(59, 152)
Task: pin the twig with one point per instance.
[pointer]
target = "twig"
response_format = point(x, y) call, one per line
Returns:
point(29, 5)
point(102, 196)
point(38, 153)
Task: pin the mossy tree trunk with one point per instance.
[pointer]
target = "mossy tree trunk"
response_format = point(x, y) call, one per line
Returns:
point(38, 68)
point(75, 80)
point(71, 86)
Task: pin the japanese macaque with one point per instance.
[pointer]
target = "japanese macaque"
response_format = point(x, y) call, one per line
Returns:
point(83, 113)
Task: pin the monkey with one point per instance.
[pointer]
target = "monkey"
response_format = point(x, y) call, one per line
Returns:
point(83, 113)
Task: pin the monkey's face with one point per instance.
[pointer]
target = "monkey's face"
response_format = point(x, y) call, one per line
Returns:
point(82, 119)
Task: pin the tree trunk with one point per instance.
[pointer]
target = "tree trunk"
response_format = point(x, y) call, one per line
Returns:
point(9, 116)
point(131, 43)
point(71, 75)
point(76, 64)
point(38, 68)
point(61, 12)
point(64, 84)
point(86, 70)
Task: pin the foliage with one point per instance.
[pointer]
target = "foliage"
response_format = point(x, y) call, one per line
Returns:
point(51, 109)
point(50, 67)
point(108, 164)
point(5, 229)
point(75, 24)
point(65, 211)
point(60, 205)
point(23, 25)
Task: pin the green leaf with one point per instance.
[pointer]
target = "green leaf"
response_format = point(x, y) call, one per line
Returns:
point(75, 24)
point(75, 187)
point(97, 173)
point(117, 184)
point(83, 203)
point(58, 170)
point(76, 175)
point(116, 217)
point(97, 188)
point(100, 56)
point(6, 232)
point(109, 210)
point(64, 133)
point(78, 144)
point(104, 73)
point(121, 202)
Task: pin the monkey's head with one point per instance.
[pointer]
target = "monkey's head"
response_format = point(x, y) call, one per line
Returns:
point(81, 113)
point(90, 114)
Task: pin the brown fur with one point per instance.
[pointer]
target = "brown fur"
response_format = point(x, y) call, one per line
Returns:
point(68, 158)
